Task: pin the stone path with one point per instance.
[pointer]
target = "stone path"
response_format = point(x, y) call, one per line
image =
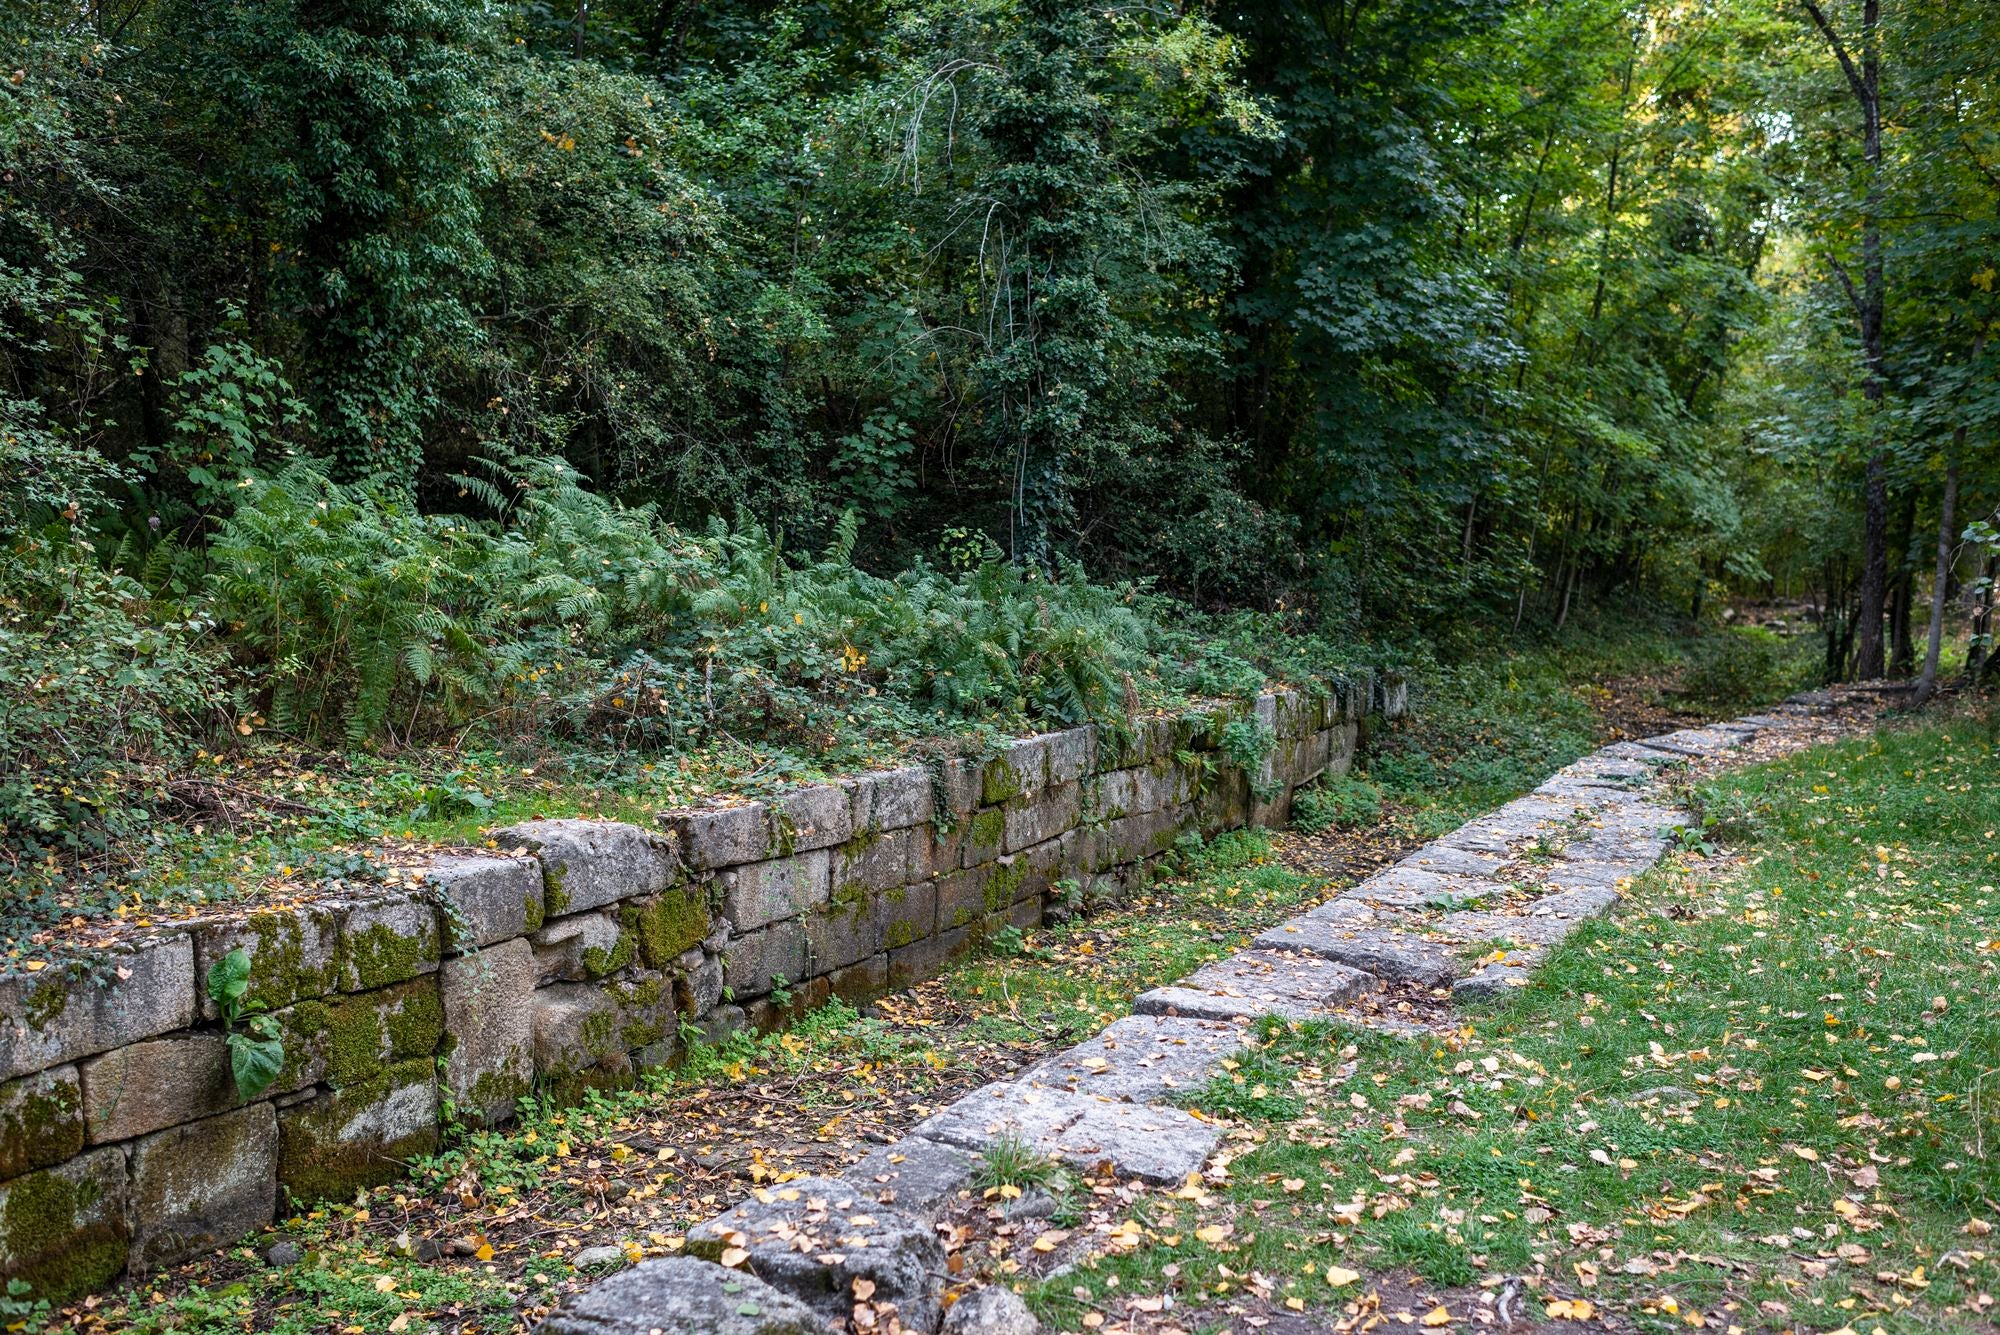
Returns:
point(1461, 919)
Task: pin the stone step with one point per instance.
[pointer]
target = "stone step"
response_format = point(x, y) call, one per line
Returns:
point(1150, 1143)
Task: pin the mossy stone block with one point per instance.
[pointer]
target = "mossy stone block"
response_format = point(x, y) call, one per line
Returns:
point(49, 1018)
point(67, 1230)
point(41, 1120)
point(387, 940)
point(294, 954)
point(669, 923)
point(361, 1136)
point(202, 1186)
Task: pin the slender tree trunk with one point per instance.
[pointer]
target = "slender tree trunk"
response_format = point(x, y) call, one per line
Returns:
point(1927, 683)
point(1864, 80)
point(1903, 591)
point(1981, 650)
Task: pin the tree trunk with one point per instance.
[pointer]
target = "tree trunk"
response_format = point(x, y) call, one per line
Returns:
point(1864, 80)
point(1903, 591)
point(1927, 683)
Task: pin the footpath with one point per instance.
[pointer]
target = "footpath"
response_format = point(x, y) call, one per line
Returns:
point(1460, 920)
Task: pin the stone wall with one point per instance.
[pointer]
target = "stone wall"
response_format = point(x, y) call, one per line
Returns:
point(569, 954)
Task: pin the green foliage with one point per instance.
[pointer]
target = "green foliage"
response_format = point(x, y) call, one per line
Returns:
point(1740, 669)
point(1341, 801)
point(256, 1046)
point(350, 600)
point(94, 688)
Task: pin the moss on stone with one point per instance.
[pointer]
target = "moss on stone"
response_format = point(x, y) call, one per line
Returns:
point(1003, 882)
point(382, 955)
point(533, 913)
point(554, 898)
point(44, 1126)
point(498, 1091)
point(315, 1160)
point(901, 933)
point(279, 974)
point(47, 1003)
point(598, 961)
point(45, 1246)
point(999, 781)
point(668, 924)
point(362, 1032)
point(989, 827)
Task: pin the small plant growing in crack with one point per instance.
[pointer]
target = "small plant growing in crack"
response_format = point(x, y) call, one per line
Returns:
point(256, 1048)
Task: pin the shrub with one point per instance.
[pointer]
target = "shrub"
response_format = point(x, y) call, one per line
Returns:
point(351, 602)
point(1748, 666)
point(1343, 801)
point(92, 688)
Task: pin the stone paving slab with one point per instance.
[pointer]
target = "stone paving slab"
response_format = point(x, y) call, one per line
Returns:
point(1386, 952)
point(1142, 1059)
point(1292, 985)
point(1137, 1140)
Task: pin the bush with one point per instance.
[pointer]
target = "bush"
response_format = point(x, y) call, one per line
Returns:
point(1749, 666)
point(359, 614)
point(92, 688)
point(1343, 801)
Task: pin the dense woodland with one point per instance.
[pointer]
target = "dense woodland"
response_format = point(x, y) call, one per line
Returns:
point(365, 362)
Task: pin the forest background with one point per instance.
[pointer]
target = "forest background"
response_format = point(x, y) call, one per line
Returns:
point(388, 372)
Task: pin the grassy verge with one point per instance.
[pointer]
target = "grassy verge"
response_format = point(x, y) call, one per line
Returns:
point(1760, 1098)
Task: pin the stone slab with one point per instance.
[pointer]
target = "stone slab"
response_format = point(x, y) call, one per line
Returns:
point(202, 1186)
point(491, 899)
point(808, 818)
point(49, 1018)
point(41, 1120)
point(1141, 1059)
point(488, 998)
point(1158, 1145)
point(720, 836)
point(682, 1293)
point(814, 1237)
point(294, 954)
point(160, 1082)
point(1385, 952)
point(920, 1177)
point(1293, 985)
point(587, 864)
point(388, 939)
point(67, 1228)
point(779, 888)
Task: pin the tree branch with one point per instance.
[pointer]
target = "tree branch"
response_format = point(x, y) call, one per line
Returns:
point(1847, 66)
point(1840, 272)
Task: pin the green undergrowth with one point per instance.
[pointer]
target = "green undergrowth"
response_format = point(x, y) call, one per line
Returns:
point(1485, 729)
point(1077, 977)
point(1757, 1098)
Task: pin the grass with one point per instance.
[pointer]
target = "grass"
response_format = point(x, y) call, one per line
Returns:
point(1822, 999)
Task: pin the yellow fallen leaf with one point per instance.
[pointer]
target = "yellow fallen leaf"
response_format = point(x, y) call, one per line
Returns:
point(1213, 1233)
point(384, 1283)
point(1339, 1277)
point(734, 1256)
point(1809, 1155)
point(1570, 1309)
point(401, 1322)
point(485, 1252)
point(1294, 1184)
point(1437, 1316)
